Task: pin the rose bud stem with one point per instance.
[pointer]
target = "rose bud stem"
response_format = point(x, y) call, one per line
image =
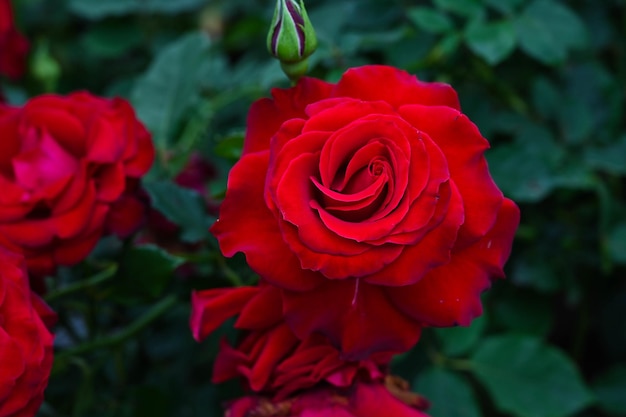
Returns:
point(291, 38)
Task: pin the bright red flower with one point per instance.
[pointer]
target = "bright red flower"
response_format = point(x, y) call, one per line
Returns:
point(13, 46)
point(370, 205)
point(25, 342)
point(65, 162)
point(270, 358)
point(290, 377)
point(360, 400)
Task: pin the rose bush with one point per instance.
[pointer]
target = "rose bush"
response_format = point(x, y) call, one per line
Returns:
point(370, 205)
point(69, 171)
point(13, 46)
point(289, 376)
point(25, 342)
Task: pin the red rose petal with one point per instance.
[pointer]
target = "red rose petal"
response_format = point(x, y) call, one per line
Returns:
point(42, 162)
point(432, 250)
point(247, 225)
point(261, 311)
point(105, 141)
point(356, 316)
point(266, 115)
point(396, 87)
point(126, 216)
point(450, 295)
point(66, 129)
point(375, 400)
point(71, 252)
point(210, 308)
point(10, 144)
point(293, 202)
point(333, 114)
point(280, 341)
point(110, 182)
point(463, 146)
point(74, 221)
point(141, 161)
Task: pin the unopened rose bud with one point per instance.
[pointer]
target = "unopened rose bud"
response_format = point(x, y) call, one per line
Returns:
point(291, 38)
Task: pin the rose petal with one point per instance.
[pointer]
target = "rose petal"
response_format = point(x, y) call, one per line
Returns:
point(396, 87)
point(463, 146)
point(357, 317)
point(266, 115)
point(280, 341)
point(375, 400)
point(210, 308)
point(450, 294)
point(66, 129)
point(333, 114)
point(247, 225)
point(432, 250)
point(261, 311)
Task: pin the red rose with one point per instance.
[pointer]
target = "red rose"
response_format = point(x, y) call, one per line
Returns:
point(13, 46)
point(25, 342)
point(270, 358)
point(360, 400)
point(370, 205)
point(289, 376)
point(64, 163)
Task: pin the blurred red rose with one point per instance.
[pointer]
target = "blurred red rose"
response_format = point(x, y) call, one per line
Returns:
point(25, 342)
point(68, 171)
point(370, 204)
point(270, 358)
point(13, 46)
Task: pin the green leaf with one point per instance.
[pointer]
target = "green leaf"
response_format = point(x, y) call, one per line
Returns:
point(526, 169)
point(98, 9)
point(546, 30)
point(529, 379)
point(230, 146)
point(111, 40)
point(610, 390)
point(617, 243)
point(535, 272)
point(523, 311)
point(575, 120)
point(493, 41)
point(504, 6)
point(171, 85)
point(463, 7)
point(449, 394)
point(430, 20)
point(608, 158)
point(182, 206)
point(459, 340)
point(149, 268)
point(546, 98)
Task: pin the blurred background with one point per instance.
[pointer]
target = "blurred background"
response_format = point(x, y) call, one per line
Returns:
point(545, 81)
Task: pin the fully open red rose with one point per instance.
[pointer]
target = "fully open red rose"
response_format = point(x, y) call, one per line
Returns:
point(13, 46)
point(370, 204)
point(65, 163)
point(25, 342)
